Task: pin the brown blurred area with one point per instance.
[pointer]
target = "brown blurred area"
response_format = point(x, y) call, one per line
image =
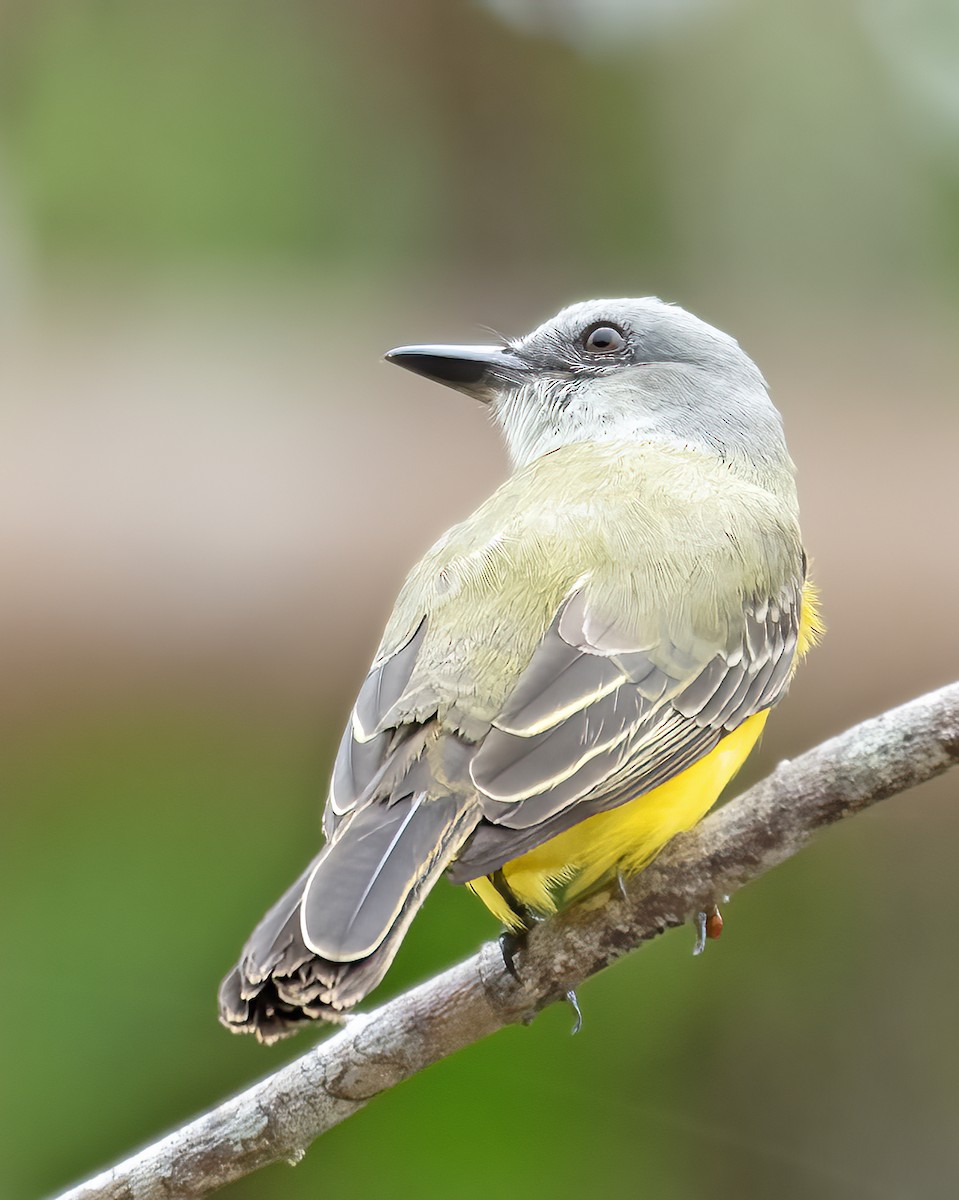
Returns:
point(214, 221)
point(205, 495)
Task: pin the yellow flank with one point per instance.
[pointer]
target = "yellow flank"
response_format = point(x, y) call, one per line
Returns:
point(628, 837)
point(811, 626)
point(625, 838)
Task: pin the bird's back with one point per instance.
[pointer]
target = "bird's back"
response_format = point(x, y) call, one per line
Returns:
point(637, 525)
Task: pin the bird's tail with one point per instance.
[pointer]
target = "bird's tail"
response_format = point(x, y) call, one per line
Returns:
point(330, 939)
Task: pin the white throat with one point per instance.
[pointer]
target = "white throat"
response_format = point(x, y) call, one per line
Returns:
point(549, 413)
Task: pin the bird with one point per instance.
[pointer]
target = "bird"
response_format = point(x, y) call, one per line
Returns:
point(573, 674)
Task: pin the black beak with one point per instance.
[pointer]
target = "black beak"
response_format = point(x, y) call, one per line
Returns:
point(479, 371)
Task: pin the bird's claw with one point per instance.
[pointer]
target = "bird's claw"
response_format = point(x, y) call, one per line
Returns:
point(573, 1002)
point(511, 942)
point(709, 925)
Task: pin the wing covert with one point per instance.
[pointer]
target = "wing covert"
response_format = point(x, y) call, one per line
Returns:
point(367, 758)
point(593, 720)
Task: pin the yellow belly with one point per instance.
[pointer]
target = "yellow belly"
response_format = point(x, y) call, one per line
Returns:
point(627, 838)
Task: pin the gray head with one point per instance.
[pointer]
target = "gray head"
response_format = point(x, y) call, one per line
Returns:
point(637, 370)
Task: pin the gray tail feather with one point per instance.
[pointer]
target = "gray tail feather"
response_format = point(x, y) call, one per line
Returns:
point(331, 938)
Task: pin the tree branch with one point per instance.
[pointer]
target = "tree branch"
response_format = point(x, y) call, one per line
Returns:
point(279, 1117)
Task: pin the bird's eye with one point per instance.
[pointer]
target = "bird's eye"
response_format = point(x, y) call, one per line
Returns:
point(603, 339)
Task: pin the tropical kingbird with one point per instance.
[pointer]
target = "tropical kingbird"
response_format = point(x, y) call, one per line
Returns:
point(573, 674)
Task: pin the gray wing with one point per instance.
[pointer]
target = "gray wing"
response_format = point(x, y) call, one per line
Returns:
point(591, 724)
point(375, 746)
point(593, 721)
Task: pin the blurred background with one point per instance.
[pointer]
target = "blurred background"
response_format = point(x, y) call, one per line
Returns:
point(214, 220)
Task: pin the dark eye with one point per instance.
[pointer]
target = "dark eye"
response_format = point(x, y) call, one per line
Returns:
point(603, 339)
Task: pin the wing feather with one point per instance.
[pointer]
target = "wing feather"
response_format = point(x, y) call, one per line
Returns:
point(372, 741)
point(595, 719)
point(674, 704)
point(384, 686)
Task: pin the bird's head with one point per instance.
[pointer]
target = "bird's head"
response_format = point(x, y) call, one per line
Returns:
point(638, 370)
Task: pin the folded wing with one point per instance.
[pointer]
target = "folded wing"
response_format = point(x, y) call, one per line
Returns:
point(593, 722)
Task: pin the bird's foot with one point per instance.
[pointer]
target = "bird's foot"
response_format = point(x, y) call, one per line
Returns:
point(709, 924)
point(573, 1002)
point(511, 942)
